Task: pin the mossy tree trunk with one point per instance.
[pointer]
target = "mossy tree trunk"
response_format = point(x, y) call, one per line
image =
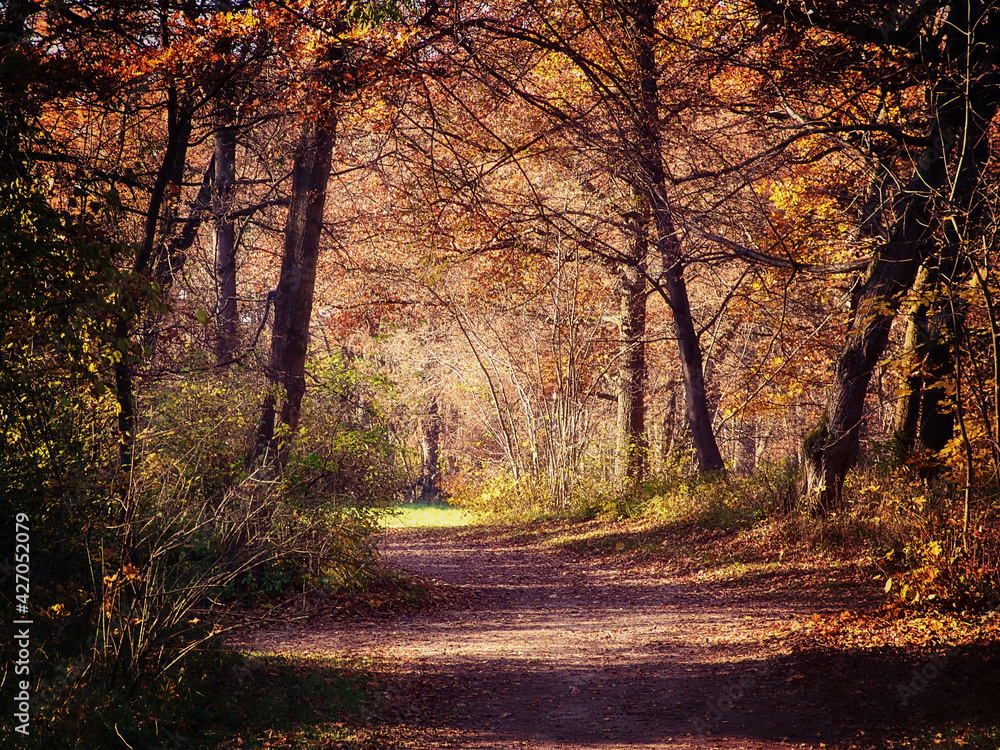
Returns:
point(631, 381)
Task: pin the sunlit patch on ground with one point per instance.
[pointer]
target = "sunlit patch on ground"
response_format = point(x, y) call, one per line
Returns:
point(413, 516)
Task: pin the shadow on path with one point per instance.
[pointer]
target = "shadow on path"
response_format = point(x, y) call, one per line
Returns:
point(554, 652)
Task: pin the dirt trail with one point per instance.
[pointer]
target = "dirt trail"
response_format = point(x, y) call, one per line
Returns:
point(549, 651)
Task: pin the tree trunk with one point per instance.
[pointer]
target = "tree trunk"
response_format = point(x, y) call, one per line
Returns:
point(223, 193)
point(907, 420)
point(924, 416)
point(695, 395)
point(293, 298)
point(225, 235)
point(669, 426)
point(430, 472)
point(172, 260)
point(653, 183)
point(746, 438)
point(832, 448)
point(168, 182)
point(937, 417)
point(632, 442)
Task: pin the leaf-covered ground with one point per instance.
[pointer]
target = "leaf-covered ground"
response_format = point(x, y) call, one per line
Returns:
point(589, 636)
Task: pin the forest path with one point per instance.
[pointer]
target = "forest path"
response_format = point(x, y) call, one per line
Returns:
point(547, 650)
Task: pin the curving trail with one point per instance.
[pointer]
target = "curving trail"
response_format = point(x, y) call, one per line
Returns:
point(550, 651)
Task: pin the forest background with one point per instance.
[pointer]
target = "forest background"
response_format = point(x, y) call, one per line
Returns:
point(271, 267)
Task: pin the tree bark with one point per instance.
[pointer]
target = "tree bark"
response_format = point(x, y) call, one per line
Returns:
point(168, 182)
point(907, 419)
point(632, 441)
point(223, 194)
point(925, 418)
point(831, 450)
point(692, 370)
point(833, 447)
point(293, 298)
point(225, 235)
point(937, 417)
point(430, 472)
point(673, 288)
point(172, 260)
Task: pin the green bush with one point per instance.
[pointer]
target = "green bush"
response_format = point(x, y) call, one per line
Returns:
point(502, 497)
point(723, 501)
point(151, 564)
point(214, 699)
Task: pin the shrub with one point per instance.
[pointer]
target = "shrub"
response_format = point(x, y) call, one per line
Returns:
point(723, 501)
point(161, 559)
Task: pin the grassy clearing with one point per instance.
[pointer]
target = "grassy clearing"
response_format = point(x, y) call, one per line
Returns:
point(413, 516)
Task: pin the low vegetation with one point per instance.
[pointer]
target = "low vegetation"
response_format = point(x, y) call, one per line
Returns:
point(222, 699)
point(909, 533)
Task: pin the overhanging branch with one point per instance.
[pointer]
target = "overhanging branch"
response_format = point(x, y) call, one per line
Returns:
point(748, 253)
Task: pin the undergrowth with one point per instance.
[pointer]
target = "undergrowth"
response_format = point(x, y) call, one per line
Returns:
point(135, 572)
point(924, 540)
point(221, 699)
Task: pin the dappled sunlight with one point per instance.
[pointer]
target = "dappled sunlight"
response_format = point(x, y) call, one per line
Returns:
point(551, 650)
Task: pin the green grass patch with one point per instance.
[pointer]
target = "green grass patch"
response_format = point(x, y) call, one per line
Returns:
point(415, 516)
